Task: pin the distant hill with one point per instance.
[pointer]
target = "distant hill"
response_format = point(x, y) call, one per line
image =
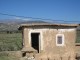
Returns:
point(13, 24)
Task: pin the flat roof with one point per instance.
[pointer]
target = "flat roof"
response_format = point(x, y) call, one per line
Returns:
point(47, 24)
point(41, 24)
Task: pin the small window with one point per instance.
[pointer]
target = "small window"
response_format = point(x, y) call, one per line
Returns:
point(59, 39)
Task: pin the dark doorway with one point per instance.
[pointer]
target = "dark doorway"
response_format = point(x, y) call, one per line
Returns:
point(35, 41)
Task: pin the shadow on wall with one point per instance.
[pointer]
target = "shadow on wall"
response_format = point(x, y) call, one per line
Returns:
point(78, 58)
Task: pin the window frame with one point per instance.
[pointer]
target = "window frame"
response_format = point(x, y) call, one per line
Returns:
point(62, 35)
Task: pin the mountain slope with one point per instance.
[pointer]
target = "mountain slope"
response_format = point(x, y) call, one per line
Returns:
point(13, 24)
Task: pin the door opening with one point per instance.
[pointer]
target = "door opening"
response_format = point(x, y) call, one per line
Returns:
point(35, 41)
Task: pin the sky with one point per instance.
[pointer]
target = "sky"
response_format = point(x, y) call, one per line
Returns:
point(67, 10)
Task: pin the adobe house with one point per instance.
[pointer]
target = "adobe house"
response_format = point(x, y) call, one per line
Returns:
point(45, 41)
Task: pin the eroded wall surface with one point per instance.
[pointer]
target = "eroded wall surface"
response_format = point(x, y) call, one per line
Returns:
point(48, 48)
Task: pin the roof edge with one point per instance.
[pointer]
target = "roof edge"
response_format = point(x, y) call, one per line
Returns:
point(47, 24)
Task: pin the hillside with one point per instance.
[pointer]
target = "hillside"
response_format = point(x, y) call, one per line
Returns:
point(13, 24)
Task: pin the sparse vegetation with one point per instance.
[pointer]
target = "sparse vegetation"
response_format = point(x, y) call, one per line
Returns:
point(10, 55)
point(10, 41)
point(8, 58)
